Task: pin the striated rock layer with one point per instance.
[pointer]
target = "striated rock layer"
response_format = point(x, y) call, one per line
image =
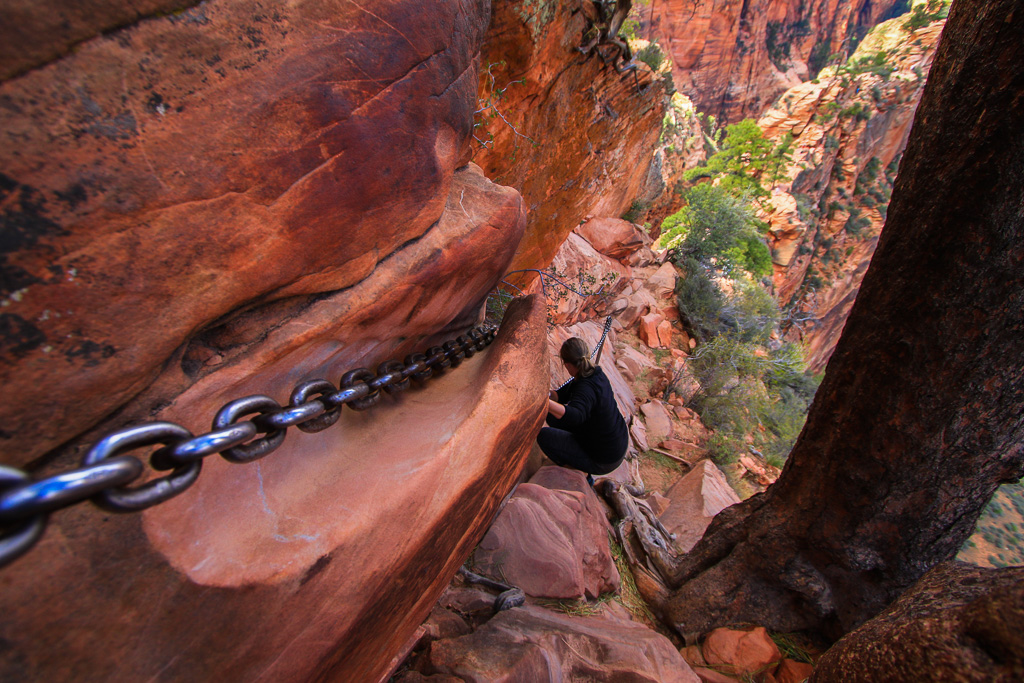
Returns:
point(733, 59)
point(573, 136)
point(235, 159)
point(225, 201)
point(849, 130)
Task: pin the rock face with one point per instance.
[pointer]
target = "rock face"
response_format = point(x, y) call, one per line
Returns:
point(534, 644)
point(227, 201)
point(849, 130)
point(596, 276)
point(574, 137)
point(551, 542)
point(958, 623)
point(178, 187)
point(733, 59)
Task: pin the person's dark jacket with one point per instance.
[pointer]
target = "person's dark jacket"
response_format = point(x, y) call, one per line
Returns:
point(592, 415)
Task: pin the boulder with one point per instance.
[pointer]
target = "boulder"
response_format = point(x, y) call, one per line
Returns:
point(696, 499)
point(740, 652)
point(663, 282)
point(792, 671)
point(472, 602)
point(443, 623)
point(707, 675)
point(958, 623)
point(531, 643)
point(552, 543)
point(641, 257)
point(638, 432)
point(659, 424)
point(612, 237)
point(651, 330)
point(665, 334)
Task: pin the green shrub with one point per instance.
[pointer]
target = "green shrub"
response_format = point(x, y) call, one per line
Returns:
point(635, 211)
point(652, 56)
point(711, 224)
point(700, 300)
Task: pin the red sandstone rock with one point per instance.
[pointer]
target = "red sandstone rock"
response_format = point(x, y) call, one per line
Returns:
point(468, 601)
point(824, 146)
point(663, 281)
point(551, 543)
point(664, 334)
point(649, 332)
point(740, 652)
point(659, 425)
point(192, 173)
point(696, 499)
point(612, 237)
point(443, 623)
point(585, 269)
point(792, 671)
point(228, 201)
point(531, 643)
point(693, 655)
point(760, 471)
point(595, 131)
point(721, 50)
point(639, 434)
point(707, 675)
point(251, 552)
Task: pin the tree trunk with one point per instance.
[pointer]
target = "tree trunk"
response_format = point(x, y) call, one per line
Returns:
point(919, 417)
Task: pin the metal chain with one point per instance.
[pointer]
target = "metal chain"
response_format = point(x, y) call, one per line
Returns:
point(107, 469)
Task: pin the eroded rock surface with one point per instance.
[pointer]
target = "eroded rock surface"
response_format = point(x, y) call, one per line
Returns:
point(232, 159)
point(734, 59)
point(230, 200)
point(551, 542)
point(849, 129)
point(535, 644)
point(577, 138)
point(695, 500)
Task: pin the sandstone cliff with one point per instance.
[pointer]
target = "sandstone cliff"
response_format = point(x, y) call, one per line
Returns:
point(574, 136)
point(227, 200)
point(849, 128)
point(733, 59)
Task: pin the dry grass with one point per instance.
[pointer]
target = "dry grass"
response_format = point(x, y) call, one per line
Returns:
point(629, 597)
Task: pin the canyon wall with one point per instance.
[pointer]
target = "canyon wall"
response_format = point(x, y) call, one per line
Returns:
point(734, 58)
point(574, 136)
point(205, 203)
point(849, 130)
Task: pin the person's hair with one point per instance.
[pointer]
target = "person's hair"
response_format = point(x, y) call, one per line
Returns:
point(575, 351)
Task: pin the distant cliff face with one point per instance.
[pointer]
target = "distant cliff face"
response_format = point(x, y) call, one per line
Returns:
point(573, 136)
point(849, 129)
point(734, 58)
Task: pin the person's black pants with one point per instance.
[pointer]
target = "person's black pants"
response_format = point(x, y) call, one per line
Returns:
point(564, 449)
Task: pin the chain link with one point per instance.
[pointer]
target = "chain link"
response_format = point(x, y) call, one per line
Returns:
point(108, 468)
